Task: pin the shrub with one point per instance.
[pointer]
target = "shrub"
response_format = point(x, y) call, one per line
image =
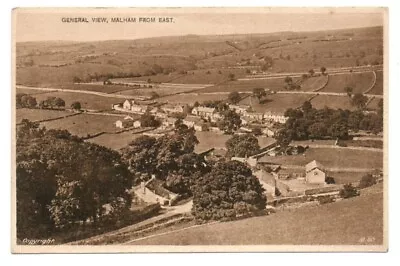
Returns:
point(348, 191)
point(325, 199)
point(367, 181)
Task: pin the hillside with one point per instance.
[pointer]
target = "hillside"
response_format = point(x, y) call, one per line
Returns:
point(347, 222)
point(289, 51)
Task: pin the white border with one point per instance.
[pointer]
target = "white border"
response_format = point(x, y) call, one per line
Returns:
point(239, 259)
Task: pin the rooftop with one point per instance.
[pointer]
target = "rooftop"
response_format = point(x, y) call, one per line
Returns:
point(312, 165)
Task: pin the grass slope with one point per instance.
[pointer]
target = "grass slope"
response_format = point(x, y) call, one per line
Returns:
point(347, 222)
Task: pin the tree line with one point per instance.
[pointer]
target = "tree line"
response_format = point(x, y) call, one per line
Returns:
point(310, 123)
point(24, 100)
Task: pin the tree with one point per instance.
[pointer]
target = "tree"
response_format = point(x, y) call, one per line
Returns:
point(76, 106)
point(148, 120)
point(242, 146)
point(228, 191)
point(312, 72)
point(257, 131)
point(367, 181)
point(323, 69)
point(359, 100)
point(288, 80)
point(348, 191)
point(154, 95)
point(61, 179)
point(231, 122)
point(259, 93)
point(234, 97)
point(231, 76)
point(306, 107)
point(317, 130)
point(18, 100)
point(58, 102)
point(27, 101)
point(349, 91)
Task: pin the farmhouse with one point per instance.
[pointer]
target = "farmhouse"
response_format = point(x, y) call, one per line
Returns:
point(195, 122)
point(278, 118)
point(240, 109)
point(169, 121)
point(254, 116)
point(170, 109)
point(203, 111)
point(315, 173)
point(130, 105)
point(124, 123)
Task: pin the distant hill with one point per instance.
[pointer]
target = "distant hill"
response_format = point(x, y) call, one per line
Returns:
point(289, 51)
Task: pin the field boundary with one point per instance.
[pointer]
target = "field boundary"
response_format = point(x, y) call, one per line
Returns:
point(51, 119)
point(324, 85)
point(373, 84)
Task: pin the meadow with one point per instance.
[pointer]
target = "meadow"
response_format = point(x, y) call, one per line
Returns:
point(360, 82)
point(275, 84)
point(190, 98)
point(88, 101)
point(336, 158)
point(115, 141)
point(313, 83)
point(378, 88)
point(332, 101)
point(276, 103)
point(39, 114)
point(84, 124)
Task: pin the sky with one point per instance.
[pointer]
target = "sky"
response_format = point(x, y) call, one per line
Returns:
point(46, 24)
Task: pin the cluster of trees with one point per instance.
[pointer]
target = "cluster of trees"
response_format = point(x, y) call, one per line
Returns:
point(25, 100)
point(28, 101)
point(228, 191)
point(311, 123)
point(242, 146)
point(52, 102)
point(230, 122)
point(148, 120)
point(104, 77)
point(170, 158)
point(61, 180)
point(290, 84)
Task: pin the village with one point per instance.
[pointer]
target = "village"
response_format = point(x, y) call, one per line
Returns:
point(278, 182)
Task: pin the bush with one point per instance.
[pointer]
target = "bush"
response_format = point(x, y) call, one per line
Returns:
point(348, 191)
point(325, 199)
point(367, 181)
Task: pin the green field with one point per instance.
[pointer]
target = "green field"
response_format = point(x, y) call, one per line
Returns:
point(190, 98)
point(333, 158)
point(314, 83)
point(115, 141)
point(277, 103)
point(360, 82)
point(332, 101)
point(347, 222)
point(209, 140)
point(84, 124)
point(378, 88)
point(88, 101)
point(38, 114)
point(275, 84)
point(94, 87)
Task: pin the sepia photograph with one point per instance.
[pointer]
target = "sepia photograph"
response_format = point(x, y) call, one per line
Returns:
point(199, 129)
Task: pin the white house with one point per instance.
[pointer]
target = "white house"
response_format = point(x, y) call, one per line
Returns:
point(279, 118)
point(137, 124)
point(254, 115)
point(239, 109)
point(203, 111)
point(169, 109)
point(123, 123)
point(315, 173)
